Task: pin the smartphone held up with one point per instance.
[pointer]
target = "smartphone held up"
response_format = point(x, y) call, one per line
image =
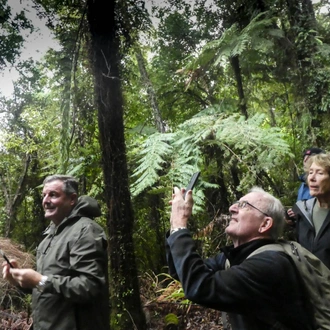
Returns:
point(191, 183)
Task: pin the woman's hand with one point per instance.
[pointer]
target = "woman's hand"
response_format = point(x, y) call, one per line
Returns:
point(290, 217)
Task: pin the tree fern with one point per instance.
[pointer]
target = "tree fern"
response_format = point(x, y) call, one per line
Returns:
point(257, 35)
point(252, 143)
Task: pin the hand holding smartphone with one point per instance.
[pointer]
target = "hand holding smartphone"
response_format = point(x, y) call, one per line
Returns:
point(192, 183)
point(5, 257)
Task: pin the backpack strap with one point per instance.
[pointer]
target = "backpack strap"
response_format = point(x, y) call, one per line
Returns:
point(267, 247)
point(314, 274)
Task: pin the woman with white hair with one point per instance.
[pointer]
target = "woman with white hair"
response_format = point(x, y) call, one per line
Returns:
point(312, 215)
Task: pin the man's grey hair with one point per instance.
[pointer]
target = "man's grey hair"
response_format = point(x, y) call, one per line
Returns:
point(70, 184)
point(275, 209)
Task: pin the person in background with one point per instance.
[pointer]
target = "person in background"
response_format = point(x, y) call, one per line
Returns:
point(261, 292)
point(70, 285)
point(312, 225)
point(303, 191)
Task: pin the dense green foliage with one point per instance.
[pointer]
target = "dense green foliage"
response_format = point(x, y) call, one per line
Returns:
point(236, 90)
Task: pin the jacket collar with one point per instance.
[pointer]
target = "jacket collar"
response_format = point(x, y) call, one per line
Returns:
point(306, 208)
point(237, 255)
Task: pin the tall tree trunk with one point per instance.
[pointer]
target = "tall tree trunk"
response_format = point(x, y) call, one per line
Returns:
point(126, 309)
point(155, 202)
point(303, 33)
point(150, 90)
point(239, 83)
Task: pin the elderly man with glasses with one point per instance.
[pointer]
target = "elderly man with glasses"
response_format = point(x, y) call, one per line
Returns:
point(260, 292)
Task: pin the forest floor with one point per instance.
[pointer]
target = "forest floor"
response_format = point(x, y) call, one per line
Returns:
point(193, 318)
point(166, 307)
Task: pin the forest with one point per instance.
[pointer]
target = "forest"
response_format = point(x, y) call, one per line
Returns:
point(138, 97)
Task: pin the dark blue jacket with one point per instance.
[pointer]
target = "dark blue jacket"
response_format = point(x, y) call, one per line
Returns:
point(303, 191)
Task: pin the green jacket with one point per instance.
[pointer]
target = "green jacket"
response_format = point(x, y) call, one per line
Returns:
point(74, 257)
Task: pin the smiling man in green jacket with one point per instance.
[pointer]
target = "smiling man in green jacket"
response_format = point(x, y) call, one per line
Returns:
point(70, 285)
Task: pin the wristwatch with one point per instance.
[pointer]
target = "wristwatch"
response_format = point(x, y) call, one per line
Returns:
point(176, 229)
point(41, 285)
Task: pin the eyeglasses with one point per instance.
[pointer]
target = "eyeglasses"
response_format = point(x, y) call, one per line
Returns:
point(242, 204)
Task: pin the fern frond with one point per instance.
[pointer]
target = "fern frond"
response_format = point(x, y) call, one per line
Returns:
point(213, 50)
point(252, 144)
point(154, 153)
